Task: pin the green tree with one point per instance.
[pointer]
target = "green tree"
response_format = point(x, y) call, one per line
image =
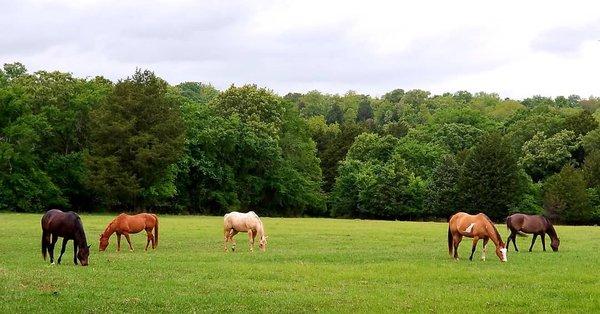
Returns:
point(565, 196)
point(443, 193)
point(335, 114)
point(591, 169)
point(421, 158)
point(581, 123)
point(365, 111)
point(544, 155)
point(591, 141)
point(490, 178)
point(137, 135)
point(197, 92)
point(394, 96)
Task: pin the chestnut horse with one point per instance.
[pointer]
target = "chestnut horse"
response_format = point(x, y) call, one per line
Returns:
point(56, 223)
point(235, 222)
point(522, 224)
point(126, 224)
point(477, 227)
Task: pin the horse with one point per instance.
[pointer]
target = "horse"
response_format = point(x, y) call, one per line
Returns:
point(56, 223)
point(126, 224)
point(521, 224)
point(235, 222)
point(477, 227)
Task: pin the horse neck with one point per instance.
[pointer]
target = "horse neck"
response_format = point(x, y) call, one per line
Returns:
point(494, 235)
point(79, 236)
point(110, 229)
point(550, 229)
point(260, 231)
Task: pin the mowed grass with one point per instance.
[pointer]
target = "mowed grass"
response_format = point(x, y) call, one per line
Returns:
point(311, 265)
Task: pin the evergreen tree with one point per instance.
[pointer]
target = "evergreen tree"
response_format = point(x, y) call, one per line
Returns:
point(490, 178)
point(137, 135)
point(444, 197)
point(565, 196)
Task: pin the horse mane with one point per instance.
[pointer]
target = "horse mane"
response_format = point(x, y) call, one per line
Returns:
point(79, 232)
point(493, 228)
point(106, 230)
point(550, 228)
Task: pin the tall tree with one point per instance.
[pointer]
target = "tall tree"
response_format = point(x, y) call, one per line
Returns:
point(444, 198)
point(565, 196)
point(137, 135)
point(490, 177)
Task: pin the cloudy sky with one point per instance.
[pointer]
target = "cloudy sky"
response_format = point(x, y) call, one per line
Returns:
point(515, 48)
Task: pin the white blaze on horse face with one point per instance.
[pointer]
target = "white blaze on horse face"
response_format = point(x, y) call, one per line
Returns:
point(503, 251)
point(470, 228)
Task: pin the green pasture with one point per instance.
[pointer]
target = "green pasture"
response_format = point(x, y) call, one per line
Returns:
point(311, 265)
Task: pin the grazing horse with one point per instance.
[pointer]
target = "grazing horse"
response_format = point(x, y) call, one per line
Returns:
point(126, 224)
point(521, 224)
point(235, 222)
point(56, 223)
point(477, 227)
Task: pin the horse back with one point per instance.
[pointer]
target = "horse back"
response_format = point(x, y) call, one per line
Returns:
point(64, 224)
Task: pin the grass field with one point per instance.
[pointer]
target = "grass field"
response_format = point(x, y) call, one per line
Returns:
point(311, 265)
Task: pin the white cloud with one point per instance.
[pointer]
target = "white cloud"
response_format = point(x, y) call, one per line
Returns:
point(515, 48)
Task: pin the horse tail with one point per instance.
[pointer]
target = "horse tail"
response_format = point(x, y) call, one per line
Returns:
point(44, 244)
point(450, 244)
point(156, 230)
point(508, 222)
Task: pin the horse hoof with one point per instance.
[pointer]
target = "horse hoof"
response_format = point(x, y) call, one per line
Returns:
point(52, 264)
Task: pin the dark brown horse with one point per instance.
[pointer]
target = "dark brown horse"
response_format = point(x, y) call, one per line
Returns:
point(521, 224)
point(477, 227)
point(56, 223)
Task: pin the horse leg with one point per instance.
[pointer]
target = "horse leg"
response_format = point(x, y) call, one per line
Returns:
point(74, 252)
point(128, 241)
point(485, 242)
point(62, 250)
point(225, 239)
point(51, 248)
point(118, 242)
point(474, 247)
point(251, 240)
point(543, 236)
point(514, 237)
point(232, 233)
point(149, 237)
point(533, 241)
point(456, 241)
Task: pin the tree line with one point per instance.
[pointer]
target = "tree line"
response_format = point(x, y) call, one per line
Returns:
point(89, 144)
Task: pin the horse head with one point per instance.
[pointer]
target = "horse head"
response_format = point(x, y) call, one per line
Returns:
point(262, 244)
point(82, 254)
point(501, 252)
point(555, 243)
point(103, 243)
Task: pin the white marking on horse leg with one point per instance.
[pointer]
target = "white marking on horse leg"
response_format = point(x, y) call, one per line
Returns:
point(470, 228)
point(483, 252)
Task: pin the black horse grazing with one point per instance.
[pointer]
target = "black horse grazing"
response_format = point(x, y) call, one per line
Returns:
point(57, 223)
point(538, 225)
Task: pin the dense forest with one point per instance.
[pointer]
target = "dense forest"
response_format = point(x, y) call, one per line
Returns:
point(89, 144)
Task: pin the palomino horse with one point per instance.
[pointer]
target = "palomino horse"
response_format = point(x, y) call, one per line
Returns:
point(235, 222)
point(126, 224)
point(522, 224)
point(57, 223)
point(477, 227)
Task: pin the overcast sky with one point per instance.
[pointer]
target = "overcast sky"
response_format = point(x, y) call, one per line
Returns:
point(515, 48)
